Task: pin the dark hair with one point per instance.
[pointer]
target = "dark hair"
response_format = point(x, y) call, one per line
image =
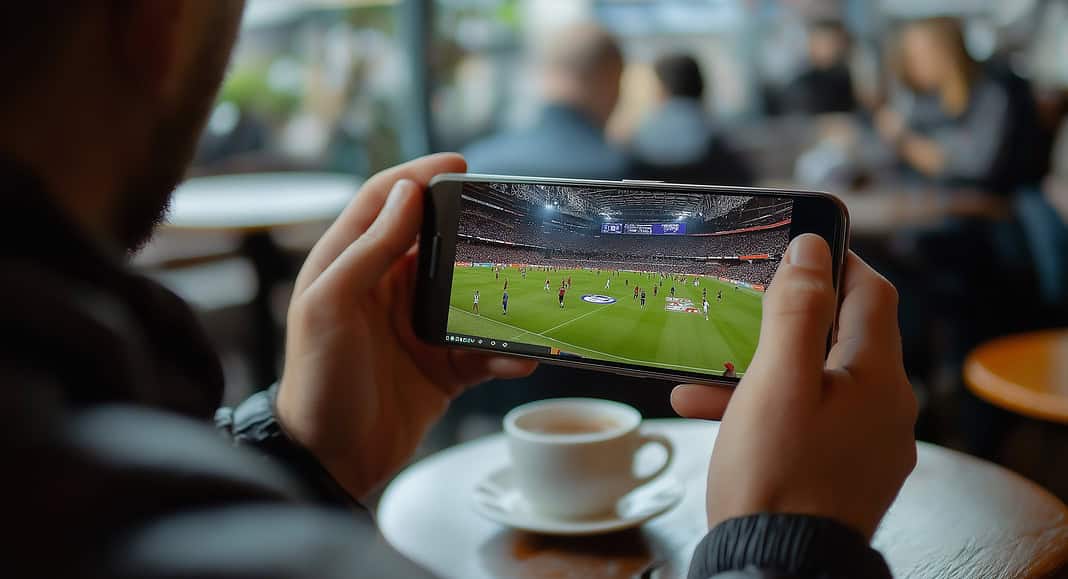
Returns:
point(681, 75)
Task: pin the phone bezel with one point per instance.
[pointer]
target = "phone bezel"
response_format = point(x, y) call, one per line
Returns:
point(814, 212)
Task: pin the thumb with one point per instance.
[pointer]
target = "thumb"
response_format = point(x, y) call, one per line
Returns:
point(797, 316)
point(387, 239)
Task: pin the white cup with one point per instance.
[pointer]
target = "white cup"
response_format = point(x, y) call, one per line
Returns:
point(573, 458)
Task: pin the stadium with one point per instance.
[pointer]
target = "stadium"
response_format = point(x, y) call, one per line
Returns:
point(574, 263)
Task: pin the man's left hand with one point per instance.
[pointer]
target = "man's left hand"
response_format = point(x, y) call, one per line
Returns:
point(359, 389)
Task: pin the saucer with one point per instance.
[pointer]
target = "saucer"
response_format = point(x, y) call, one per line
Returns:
point(497, 499)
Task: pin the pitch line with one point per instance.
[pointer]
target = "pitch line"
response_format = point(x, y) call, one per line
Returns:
point(598, 352)
point(571, 321)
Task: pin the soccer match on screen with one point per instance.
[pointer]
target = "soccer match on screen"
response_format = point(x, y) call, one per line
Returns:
point(665, 279)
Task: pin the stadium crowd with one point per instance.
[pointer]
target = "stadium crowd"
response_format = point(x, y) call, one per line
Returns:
point(756, 271)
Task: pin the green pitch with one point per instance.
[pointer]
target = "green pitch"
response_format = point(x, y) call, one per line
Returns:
point(617, 332)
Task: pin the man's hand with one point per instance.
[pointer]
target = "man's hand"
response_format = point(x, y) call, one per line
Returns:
point(802, 435)
point(359, 390)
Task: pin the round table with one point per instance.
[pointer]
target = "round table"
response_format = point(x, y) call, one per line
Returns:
point(250, 207)
point(956, 516)
point(259, 200)
point(1025, 373)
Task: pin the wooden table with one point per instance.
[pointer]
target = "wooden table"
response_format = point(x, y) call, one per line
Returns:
point(957, 516)
point(251, 207)
point(1025, 373)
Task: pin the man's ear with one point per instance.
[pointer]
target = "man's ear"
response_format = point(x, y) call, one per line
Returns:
point(148, 41)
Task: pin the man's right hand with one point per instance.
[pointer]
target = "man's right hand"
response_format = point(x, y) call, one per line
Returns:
point(805, 435)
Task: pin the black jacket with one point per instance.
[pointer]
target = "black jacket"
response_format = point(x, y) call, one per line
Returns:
point(113, 469)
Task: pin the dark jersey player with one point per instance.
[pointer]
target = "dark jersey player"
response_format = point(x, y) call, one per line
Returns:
point(643, 299)
point(563, 290)
point(505, 284)
point(635, 292)
point(672, 290)
point(655, 288)
point(504, 302)
point(719, 296)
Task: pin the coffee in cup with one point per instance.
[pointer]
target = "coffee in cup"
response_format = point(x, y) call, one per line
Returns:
point(573, 458)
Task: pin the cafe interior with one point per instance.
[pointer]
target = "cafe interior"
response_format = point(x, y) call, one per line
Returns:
point(798, 94)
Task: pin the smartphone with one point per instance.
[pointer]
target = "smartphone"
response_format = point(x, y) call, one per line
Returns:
point(640, 278)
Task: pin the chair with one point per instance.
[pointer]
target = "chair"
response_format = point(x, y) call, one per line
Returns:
point(1047, 238)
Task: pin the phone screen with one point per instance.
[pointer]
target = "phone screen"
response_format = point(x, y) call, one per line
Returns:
point(671, 280)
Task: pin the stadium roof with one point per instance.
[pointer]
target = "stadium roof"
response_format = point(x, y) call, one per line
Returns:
point(607, 203)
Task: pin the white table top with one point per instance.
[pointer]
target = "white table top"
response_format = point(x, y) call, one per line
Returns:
point(957, 516)
point(260, 200)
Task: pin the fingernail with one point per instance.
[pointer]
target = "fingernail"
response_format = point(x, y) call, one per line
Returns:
point(809, 251)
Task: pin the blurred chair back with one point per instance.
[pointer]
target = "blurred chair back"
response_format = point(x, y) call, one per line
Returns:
point(1047, 238)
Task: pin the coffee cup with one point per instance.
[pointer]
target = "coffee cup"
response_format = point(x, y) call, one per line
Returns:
point(573, 458)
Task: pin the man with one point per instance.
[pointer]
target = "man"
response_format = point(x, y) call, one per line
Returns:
point(547, 285)
point(113, 467)
point(643, 299)
point(635, 292)
point(826, 83)
point(504, 302)
point(704, 306)
point(677, 140)
point(563, 290)
point(474, 306)
point(607, 284)
point(580, 72)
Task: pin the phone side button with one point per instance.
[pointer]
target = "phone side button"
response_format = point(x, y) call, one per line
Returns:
point(435, 243)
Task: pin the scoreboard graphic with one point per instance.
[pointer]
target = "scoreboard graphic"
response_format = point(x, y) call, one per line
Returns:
point(644, 228)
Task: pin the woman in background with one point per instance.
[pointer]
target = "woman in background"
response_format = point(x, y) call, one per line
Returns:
point(952, 125)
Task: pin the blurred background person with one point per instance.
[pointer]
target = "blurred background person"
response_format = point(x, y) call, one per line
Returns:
point(677, 141)
point(825, 85)
point(950, 126)
point(580, 69)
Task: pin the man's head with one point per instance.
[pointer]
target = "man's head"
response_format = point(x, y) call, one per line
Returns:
point(680, 76)
point(583, 66)
point(828, 43)
point(112, 98)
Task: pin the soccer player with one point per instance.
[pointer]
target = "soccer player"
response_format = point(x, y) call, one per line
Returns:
point(719, 296)
point(635, 292)
point(626, 281)
point(497, 273)
point(672, 290)
point(704, 293)
point(563, 290)
point(643, 299)
point(654, 290)
point(504, 302)
point(608, 284)
point(568, 282)
point(505, 284)
point(704, 304)
point(728, 370)
point(547, 280)
point(474, 306)
point(523, 272)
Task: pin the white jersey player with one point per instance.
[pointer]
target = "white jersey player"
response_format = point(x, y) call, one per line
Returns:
point(704, 305)
point(608, 283)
